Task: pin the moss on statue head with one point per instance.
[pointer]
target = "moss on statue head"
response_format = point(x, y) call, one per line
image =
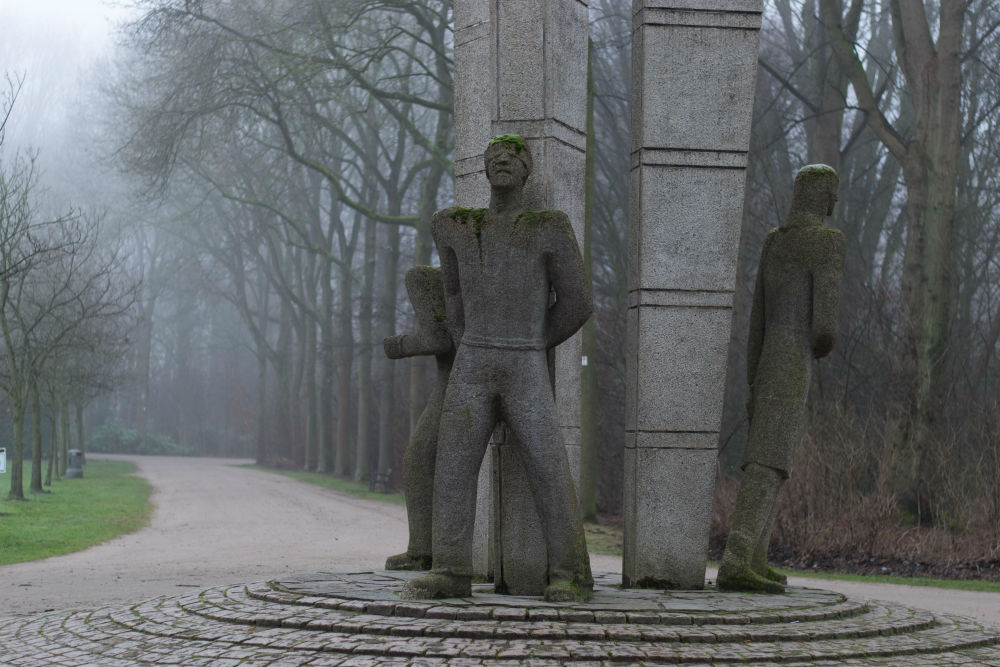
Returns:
point(513, 143)
point(516, 141)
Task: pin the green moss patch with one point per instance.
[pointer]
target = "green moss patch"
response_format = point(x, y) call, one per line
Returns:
point(514, 140)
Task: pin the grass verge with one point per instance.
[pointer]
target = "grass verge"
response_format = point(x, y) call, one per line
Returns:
point(954, 584)
point(78, 513)
point(604, 539)
point(350, 487)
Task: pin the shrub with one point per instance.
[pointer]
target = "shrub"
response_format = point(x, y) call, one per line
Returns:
point(114, 438)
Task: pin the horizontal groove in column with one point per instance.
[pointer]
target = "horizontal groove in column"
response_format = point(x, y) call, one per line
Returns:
point(682, 440)
point(469, 165)
point(692, 18)
point(702, 5)
point(668, 431)
point(671, 298)
point(545, 128)
point(474, 164)
point(687, 157)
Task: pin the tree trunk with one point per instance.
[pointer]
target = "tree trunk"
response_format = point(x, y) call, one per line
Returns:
point(387, 327)
point(283, 387)
point(309, 389)
point(325, 461)
point(53, 436)
point(588, 376)
point(933, 75)
point(345, 362)
point(365, 448)
point(81, 433)
point(143, 350)
point(36, 439)
point(66, 435)
point(16, 462)
point(263, 406)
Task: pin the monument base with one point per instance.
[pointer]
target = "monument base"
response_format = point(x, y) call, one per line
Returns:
point(357, 619)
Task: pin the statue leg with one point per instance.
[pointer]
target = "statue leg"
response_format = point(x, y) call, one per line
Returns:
point(467, 420)
point(418, 488)
point(759, 561)
point(754, 509)
point(530, 412)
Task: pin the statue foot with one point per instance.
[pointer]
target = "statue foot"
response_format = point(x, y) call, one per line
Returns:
point(436, 586)
point(772, 574)
point(745, 579)
point(405, 561)
point(568, 591)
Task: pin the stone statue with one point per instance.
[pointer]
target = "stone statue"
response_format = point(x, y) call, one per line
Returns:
point(500, 267)
point(793, 320)
point(423, 285)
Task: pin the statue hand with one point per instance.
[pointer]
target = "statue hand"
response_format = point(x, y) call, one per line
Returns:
point(822, 345)
point(393, 346)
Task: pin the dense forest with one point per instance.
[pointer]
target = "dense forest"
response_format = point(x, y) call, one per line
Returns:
point(269, 170)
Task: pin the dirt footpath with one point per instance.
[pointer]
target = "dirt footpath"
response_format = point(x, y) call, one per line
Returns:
point(213, 524)
point(216, 524)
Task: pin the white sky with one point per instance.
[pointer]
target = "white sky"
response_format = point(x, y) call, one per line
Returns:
point(55, 45)
point(60, 47)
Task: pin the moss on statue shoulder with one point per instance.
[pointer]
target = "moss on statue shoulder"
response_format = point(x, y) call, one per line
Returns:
point(535, 216)
point(464, 214)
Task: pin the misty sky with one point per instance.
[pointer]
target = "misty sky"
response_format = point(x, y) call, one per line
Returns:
point(55, 44)
point(62, 49)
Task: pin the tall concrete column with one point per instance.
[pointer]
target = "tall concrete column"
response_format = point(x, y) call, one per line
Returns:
point(693, 70)
point(521, 68)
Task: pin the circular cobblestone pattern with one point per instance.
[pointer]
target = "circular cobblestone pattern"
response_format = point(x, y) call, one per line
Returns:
point(357, 620)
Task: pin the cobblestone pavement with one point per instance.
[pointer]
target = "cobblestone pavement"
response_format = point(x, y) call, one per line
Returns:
point(357, 620)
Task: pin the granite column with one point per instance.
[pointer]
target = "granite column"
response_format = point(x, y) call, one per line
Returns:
point(693, 69)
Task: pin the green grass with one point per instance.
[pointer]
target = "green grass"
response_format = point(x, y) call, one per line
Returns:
point(350, 487)
point(956, 584)
point(602, 539)
point(108, 501)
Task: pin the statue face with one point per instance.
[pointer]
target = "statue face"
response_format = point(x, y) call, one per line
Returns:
point(504, 168)
point(832, 191)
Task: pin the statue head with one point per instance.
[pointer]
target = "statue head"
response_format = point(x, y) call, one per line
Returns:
point(815, 189)
point(508, 161)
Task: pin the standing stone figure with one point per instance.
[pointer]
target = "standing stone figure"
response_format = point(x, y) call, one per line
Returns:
point(793, 320)
point(501, 266)
point(423, 285)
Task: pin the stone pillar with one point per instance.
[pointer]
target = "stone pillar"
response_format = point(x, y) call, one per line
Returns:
point(521, 68)
point(693, 69)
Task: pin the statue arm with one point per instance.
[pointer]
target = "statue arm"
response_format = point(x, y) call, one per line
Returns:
point(826, 284)
point(454, 310)
point(401, 345)
point(574, 302)
point(417, 344)
point(423, 286)
point(755, 336)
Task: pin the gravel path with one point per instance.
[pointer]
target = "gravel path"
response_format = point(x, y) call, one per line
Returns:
point(213, 524)
point(216, 524)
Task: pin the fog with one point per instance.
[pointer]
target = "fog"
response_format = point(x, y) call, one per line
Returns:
point(238, 189)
